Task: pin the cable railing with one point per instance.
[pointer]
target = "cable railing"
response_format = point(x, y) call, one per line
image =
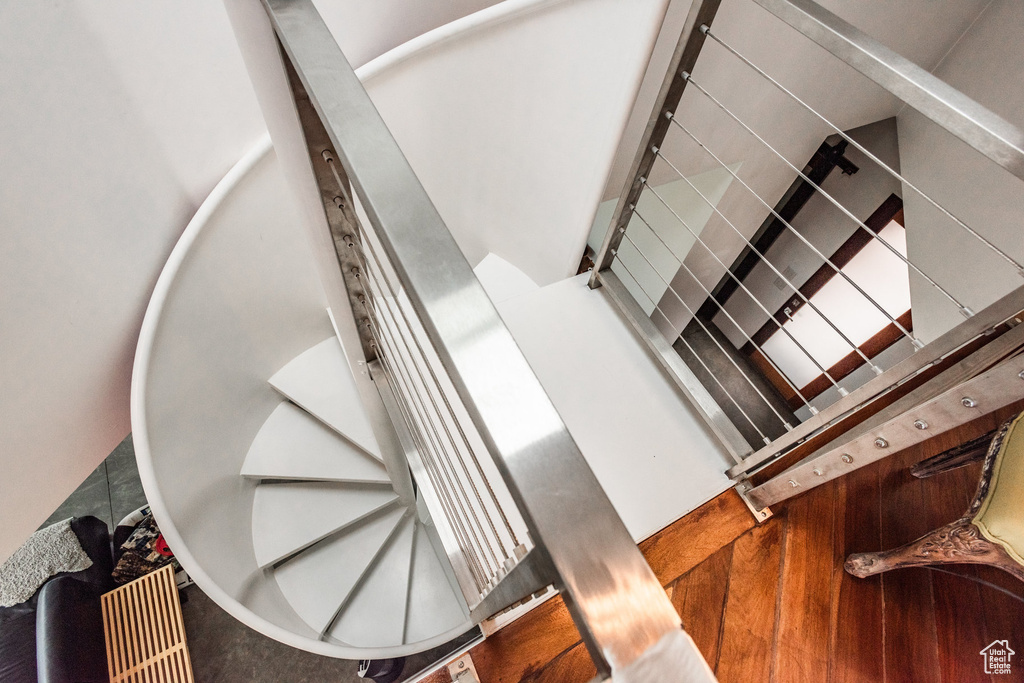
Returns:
point(492, 463)
point(828, 341)
point(450, 450)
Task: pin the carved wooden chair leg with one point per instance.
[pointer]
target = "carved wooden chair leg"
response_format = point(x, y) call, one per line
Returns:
point(957, 543)
point(990, 532)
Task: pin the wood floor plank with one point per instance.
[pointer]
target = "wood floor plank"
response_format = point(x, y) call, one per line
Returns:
point(699, 598)
point(856, 652)
point(749, 621)
point(804, 618)
point(572, 666)
point(910, 645)
point(959, 611)
point(439, 676)
point(526, 645)
point(1004, 615)
point(697, 536)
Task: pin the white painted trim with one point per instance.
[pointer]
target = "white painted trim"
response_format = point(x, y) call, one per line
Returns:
point(460, 28)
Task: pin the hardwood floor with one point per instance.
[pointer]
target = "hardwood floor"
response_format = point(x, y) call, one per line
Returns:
point(772, 602)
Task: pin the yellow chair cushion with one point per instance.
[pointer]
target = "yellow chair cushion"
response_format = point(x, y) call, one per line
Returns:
point(1001, 517)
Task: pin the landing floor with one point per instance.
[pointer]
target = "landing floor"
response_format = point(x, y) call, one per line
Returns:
point(652, 454)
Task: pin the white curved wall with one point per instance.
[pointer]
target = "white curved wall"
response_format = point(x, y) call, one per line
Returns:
point(512, 127)
point(236, 302)
point(116, 120)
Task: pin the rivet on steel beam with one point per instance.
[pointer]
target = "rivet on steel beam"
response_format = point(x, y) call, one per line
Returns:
point(817, 471)
point(920, 424)
point(847, 458)
point(792, 482)
point(968, 402)
point(881, 443)
point(328, 155)
point(355, 271)
point(339, 202)
point(654, 148)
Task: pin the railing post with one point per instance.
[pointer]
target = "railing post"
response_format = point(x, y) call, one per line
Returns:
point(702, 13)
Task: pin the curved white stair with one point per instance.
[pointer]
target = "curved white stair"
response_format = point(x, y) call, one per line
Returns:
point(292, 444)
point(289, 517)
point(318, 581)
point(318, 380)
point(355, 563)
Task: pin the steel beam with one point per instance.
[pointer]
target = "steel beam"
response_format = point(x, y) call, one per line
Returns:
point(1008, 308)
point(955, 397)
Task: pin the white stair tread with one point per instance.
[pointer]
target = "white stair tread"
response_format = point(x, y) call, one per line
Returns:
point(501, 280)
point(317, 582)
point(433, 606)
point(375, 615)
point(293, 445)
point(290, 516)
point(319, 381)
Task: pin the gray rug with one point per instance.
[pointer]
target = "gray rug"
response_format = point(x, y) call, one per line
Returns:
point(47, 552)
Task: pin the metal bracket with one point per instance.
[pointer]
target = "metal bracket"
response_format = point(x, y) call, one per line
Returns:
point(463, 671)
point(761, 514)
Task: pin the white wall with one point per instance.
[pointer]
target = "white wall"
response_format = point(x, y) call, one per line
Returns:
point(512, 127)
point(986, 65)
point(116, 120)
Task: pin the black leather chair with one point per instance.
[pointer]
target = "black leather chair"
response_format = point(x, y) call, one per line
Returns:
point(56, 636)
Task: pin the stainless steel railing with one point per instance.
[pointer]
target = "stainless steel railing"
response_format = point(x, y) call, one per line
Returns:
point(490, 458)
point(688, 269)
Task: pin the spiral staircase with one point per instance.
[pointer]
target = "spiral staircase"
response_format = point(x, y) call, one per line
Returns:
point(355, 562)
point(264, 462)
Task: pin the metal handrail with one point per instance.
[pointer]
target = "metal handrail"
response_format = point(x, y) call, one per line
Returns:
point(584, 549)
point(979, 127)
